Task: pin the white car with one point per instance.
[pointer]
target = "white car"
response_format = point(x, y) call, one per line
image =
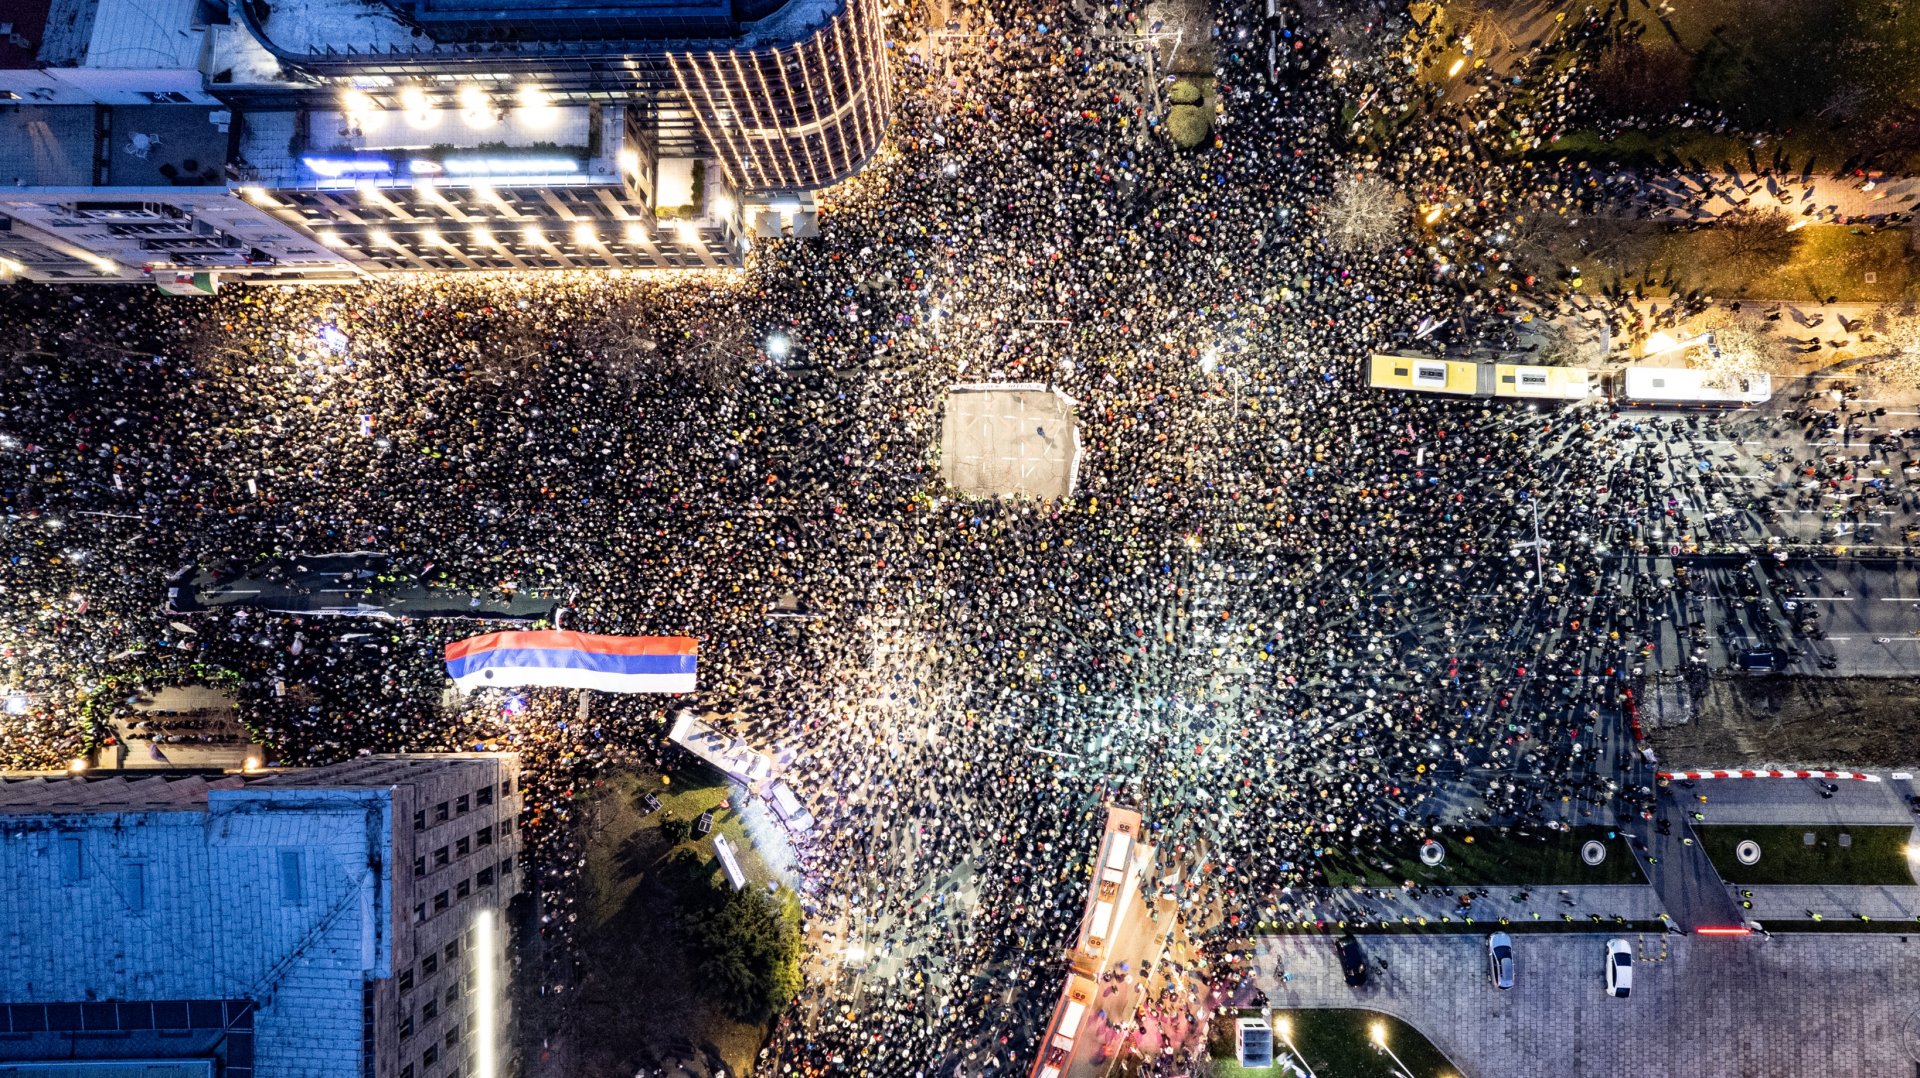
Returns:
point(1619, 968)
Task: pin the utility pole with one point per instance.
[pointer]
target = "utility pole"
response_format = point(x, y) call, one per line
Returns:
point(1539, 559)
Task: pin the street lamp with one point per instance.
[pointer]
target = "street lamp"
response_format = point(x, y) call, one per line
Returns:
point(778, 346)
point(1283, 1025)
point(1379, 1031)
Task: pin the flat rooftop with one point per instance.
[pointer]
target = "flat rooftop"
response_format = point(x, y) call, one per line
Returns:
point(120, 34)
point(146, 146)
point(29, 19)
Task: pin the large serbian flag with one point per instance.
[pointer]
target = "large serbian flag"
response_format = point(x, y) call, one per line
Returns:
point(573, 661)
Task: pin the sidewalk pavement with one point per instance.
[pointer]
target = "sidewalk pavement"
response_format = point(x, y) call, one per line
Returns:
point(1633, 901)
point(1797, 801)
point(1833, 903)
point(1706, 195)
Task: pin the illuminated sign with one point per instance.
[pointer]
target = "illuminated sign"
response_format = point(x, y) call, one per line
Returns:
point(335, 167)
point(338, 167)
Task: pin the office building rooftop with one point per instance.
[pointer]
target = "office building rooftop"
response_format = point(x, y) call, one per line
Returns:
point(112, 146)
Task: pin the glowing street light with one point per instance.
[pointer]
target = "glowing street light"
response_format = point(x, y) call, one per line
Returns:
point(484, 237)
point(636, 233)
point(1283, 1025)
point(486, 990)
point(778, 346)
point(584, 235)
point(535, 105)
point(413, 100)
point(532, 236)
point(1379, 1031)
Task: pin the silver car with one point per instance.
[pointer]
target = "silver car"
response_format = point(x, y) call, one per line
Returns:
point(1500, 960)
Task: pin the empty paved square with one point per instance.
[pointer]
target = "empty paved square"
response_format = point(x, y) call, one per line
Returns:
point(1009, 440)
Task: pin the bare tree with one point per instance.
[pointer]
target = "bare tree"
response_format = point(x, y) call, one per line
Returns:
point(1895, 357)
point(1364, 214)
point(1737, 351)
point(1759, 236)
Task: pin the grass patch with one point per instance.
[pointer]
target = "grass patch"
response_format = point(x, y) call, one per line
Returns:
point(1546, 858)
point(1878, 856)
point(640, 1004)
point(1336, 1043)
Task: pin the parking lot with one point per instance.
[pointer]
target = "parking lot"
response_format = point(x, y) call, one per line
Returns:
point(1705, 1007)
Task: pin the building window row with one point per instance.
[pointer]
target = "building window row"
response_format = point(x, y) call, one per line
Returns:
point(461, 805)
point(446, 900)
point(461, 848)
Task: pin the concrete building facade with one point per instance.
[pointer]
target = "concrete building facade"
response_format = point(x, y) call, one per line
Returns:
point(345, 921)
point(315, 141)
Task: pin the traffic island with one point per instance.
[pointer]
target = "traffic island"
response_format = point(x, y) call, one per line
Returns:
point(1493, 858)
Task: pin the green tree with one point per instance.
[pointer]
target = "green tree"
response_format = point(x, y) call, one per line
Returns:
point(747, 948)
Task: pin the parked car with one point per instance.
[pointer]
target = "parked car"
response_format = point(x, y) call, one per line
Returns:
point(1352, 962)
point(1619, 968)
point(1500, 960)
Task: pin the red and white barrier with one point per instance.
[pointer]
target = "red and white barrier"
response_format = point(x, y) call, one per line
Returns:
point(1858, 776)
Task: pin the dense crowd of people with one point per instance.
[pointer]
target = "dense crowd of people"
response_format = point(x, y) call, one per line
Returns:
point(1295, 621)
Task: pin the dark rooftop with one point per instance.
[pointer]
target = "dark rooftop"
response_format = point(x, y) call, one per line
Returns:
point(145, 146)
point(29, 21)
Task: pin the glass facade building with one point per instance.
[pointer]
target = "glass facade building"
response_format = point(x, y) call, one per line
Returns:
point(329, 140)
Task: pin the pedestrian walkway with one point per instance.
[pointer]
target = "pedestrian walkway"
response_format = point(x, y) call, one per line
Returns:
point(1633, 902)
point(1690, 889)
point(1834, 903)
point(1798, 801)
point(1697, 195)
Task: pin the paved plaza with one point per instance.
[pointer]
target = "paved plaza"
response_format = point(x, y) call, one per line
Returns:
point(1803, 1005)
point(1009, 439)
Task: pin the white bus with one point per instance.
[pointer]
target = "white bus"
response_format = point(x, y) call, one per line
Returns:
point(1057, 1054)
point(1687, 387)
point(786, 804)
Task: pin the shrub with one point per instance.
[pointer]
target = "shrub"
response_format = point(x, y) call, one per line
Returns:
point(1188, 126)
point(1184, 92)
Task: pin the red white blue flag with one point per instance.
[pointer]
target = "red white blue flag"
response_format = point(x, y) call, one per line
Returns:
point(573, 661)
